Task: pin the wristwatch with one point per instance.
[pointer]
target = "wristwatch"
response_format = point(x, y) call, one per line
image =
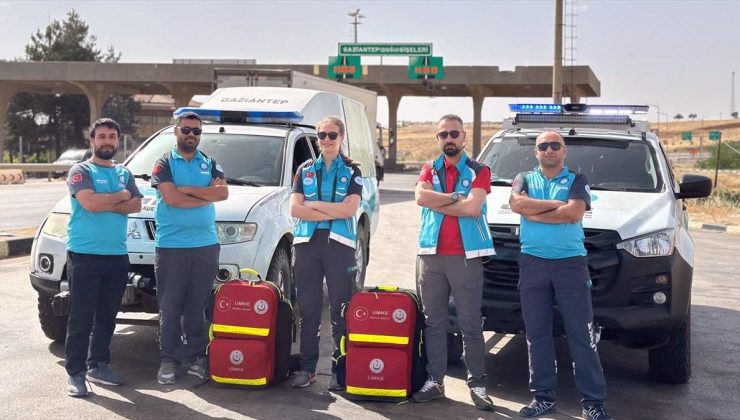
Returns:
point(455, 197)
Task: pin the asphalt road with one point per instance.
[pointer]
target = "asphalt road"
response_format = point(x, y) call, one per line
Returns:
point(32, 378)
point(26, 205)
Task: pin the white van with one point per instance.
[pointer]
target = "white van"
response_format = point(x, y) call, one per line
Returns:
point(640, 253)
point(259, 135)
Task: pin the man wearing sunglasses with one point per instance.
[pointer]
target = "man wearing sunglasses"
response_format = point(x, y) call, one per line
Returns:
point(454, 239)
point(188, 183)
point(553, 271)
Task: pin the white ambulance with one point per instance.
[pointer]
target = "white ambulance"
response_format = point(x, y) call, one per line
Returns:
point(259, 135)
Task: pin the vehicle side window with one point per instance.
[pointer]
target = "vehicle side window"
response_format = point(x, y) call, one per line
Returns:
point(301, 153)
point(671, 176)
point(360, 137)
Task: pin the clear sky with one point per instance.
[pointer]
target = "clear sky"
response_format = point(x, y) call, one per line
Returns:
point(678, 55)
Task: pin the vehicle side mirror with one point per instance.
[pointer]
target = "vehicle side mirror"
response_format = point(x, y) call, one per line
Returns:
point(694, 186)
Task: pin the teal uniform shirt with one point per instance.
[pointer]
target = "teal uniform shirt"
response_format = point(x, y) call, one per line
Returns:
point(549, 240)
point(181, 227)
point(99, 233)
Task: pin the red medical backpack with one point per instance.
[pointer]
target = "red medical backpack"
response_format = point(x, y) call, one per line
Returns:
point(384, 345)
point(251, 333)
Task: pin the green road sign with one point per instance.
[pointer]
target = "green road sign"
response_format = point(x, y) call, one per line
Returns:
point(715, 135)
point(385, 49)
point(343, 67)
point(426, 68)
point(686, 135)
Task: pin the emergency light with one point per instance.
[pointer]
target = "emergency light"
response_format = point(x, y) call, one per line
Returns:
point(217, 115)
point(577, 115)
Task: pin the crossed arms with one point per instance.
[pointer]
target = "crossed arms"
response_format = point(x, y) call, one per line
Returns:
point(469, 206)
point(322, 210)
point(547, 211)
point(118, 202)
point(189, 197)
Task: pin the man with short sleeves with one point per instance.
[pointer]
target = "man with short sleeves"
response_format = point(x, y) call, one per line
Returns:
point(102, 193)
point(453, 240)
point(553, 271)
point(188, 183)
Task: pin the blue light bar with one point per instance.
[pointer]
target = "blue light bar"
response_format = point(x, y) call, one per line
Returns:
point(537, 108)
point(223, 116)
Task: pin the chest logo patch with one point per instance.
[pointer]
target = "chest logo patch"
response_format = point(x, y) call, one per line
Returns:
point(203, 166)
point(466, 183)
point(343, 179)
point(307, 181)
point(564, 181)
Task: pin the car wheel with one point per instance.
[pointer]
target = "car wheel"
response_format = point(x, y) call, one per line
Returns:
point(454, 347)
point(281, 274)
point(54, 327)
point(671, 363)
point(360, 259)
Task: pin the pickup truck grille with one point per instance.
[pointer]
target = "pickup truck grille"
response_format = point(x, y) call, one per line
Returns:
point(501, 272)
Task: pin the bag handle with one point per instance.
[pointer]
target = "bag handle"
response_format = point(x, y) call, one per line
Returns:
point(385, 288)
point(250, 271)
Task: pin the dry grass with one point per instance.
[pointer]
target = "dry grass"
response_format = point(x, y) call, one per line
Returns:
point(416, 143)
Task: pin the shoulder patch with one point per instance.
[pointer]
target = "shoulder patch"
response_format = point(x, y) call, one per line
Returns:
point(358, 180)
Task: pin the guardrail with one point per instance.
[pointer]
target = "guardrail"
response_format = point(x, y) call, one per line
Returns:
point(48, 168)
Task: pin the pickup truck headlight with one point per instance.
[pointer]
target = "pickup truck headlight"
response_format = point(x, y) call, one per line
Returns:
point(232, 233)
point(658, 244)
point(56, 225)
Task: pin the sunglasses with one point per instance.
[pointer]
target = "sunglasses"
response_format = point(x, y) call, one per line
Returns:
point(332, 135)
point(195, 130)
point(442, 135)
point(554, 145)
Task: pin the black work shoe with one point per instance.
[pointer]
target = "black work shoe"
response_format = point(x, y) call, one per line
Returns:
point(334, 384)
point(538, 408)
point(481, 399)
point(595, 412)
point(430, 391)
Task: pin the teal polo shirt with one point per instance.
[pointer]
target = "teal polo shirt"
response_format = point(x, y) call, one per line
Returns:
point(185, 227)
point(104, 232)
point(550, 240)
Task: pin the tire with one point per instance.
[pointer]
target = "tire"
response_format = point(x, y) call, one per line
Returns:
point(671, 363)
point(361, 256)
point(281, 274)
point(54, 327)
point(454, 347)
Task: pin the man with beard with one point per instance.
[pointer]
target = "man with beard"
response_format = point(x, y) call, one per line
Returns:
point(453, 240)
point(553, 271)
point(188, 183)
point(102, 193)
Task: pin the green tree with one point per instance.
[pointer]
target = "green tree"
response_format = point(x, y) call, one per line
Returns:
point(50, 124)
point(728, 159)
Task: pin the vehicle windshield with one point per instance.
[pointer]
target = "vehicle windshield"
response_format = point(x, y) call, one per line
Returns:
point(615, 165)
point(75, 155)
point(247, 158)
